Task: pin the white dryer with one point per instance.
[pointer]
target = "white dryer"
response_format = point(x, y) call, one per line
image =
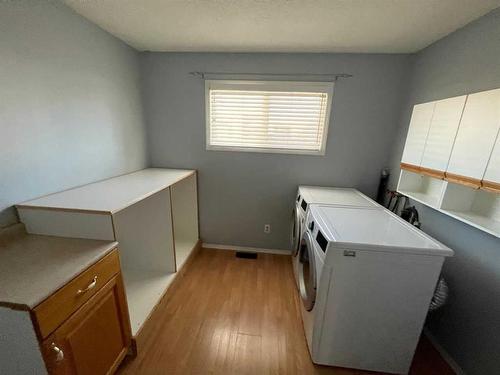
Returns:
point(307, 195)
point(366, 281)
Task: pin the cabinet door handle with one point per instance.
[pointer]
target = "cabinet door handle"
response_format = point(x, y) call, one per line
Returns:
point(89, 287)
point(59, 352)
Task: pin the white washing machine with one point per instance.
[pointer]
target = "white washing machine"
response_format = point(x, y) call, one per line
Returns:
point(366, 281)
point(307, 195)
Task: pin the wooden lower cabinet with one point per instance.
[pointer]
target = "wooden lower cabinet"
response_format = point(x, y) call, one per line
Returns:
point(95, 338)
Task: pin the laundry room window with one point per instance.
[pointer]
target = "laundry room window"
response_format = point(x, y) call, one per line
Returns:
point(268, 116)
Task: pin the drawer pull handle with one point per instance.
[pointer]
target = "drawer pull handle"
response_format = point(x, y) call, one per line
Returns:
point(59, 352)
point(89, 287)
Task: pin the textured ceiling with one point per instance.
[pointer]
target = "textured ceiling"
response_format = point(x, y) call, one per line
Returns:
point(384, 26)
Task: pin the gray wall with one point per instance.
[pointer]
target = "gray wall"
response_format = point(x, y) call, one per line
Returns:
point(70, 103)
point(469, 327)
point(70, 113)
point(240, 192)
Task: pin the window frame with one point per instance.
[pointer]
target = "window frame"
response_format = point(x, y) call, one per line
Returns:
point(310, 86)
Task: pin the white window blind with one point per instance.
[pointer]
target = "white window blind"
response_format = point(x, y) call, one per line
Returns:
point(290, 117)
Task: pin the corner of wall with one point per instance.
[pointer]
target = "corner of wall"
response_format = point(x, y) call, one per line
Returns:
point(8, 217)
point(142, 57)
point(394, 155)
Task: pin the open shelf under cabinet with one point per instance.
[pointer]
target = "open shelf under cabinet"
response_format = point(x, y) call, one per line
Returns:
point(477, 207)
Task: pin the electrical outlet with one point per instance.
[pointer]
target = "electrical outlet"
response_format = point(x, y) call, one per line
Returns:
point(267, 228)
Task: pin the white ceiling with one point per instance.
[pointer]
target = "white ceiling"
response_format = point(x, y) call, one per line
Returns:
point(384, 26)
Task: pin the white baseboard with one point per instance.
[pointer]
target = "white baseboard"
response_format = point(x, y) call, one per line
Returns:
point(446, 356)
point(245, 248)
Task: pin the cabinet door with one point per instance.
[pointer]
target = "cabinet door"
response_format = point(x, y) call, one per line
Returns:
point(476, 135)
point(417, 133)
point(442, 132)
point(492, 175)
point(94, 339)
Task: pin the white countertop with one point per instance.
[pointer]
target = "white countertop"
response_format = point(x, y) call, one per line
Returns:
point(374, 229)
point(32, 267)
point(335, 196)
point(113, 194)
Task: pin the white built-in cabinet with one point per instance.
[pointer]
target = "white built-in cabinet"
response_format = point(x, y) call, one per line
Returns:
point(442, 132)
point(152, 213)
point(417, 133)
point(492, 174)
point(477, 135)
point(457, 170)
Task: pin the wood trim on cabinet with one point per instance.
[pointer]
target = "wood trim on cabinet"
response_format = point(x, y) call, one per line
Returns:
point(410, 167)
point(54, 310)
point(493, 187)
point(432, 173)
point(422, 170)
point(463, 180)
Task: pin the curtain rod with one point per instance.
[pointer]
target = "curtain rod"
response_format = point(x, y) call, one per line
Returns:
point(335, 76)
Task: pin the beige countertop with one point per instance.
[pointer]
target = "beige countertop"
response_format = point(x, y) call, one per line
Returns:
point(32, 267)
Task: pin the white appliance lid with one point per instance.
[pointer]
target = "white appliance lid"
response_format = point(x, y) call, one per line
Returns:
point(335, 196)
point(375, 228)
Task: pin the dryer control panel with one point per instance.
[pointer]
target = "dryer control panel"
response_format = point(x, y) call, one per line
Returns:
point(321, 240)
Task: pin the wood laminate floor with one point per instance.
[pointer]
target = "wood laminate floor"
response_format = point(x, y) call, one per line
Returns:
point(229, 315)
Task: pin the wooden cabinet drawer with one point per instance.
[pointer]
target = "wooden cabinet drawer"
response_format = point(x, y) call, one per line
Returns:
point(52, 312)
point(94, 340)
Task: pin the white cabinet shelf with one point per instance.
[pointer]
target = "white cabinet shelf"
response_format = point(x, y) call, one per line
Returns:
point(479, 221)
point(184, 197)
point(153, 214)
point(144, 291)
point(422, 188)
point(475, 207)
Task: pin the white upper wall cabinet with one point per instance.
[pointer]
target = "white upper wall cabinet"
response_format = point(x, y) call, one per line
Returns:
point(493, 170)
point(417, 133)
point(476, 136)
point(458, 171)
point(442, 132)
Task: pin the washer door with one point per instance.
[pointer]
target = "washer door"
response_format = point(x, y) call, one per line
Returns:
point(307, 272)
point(296, 230)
